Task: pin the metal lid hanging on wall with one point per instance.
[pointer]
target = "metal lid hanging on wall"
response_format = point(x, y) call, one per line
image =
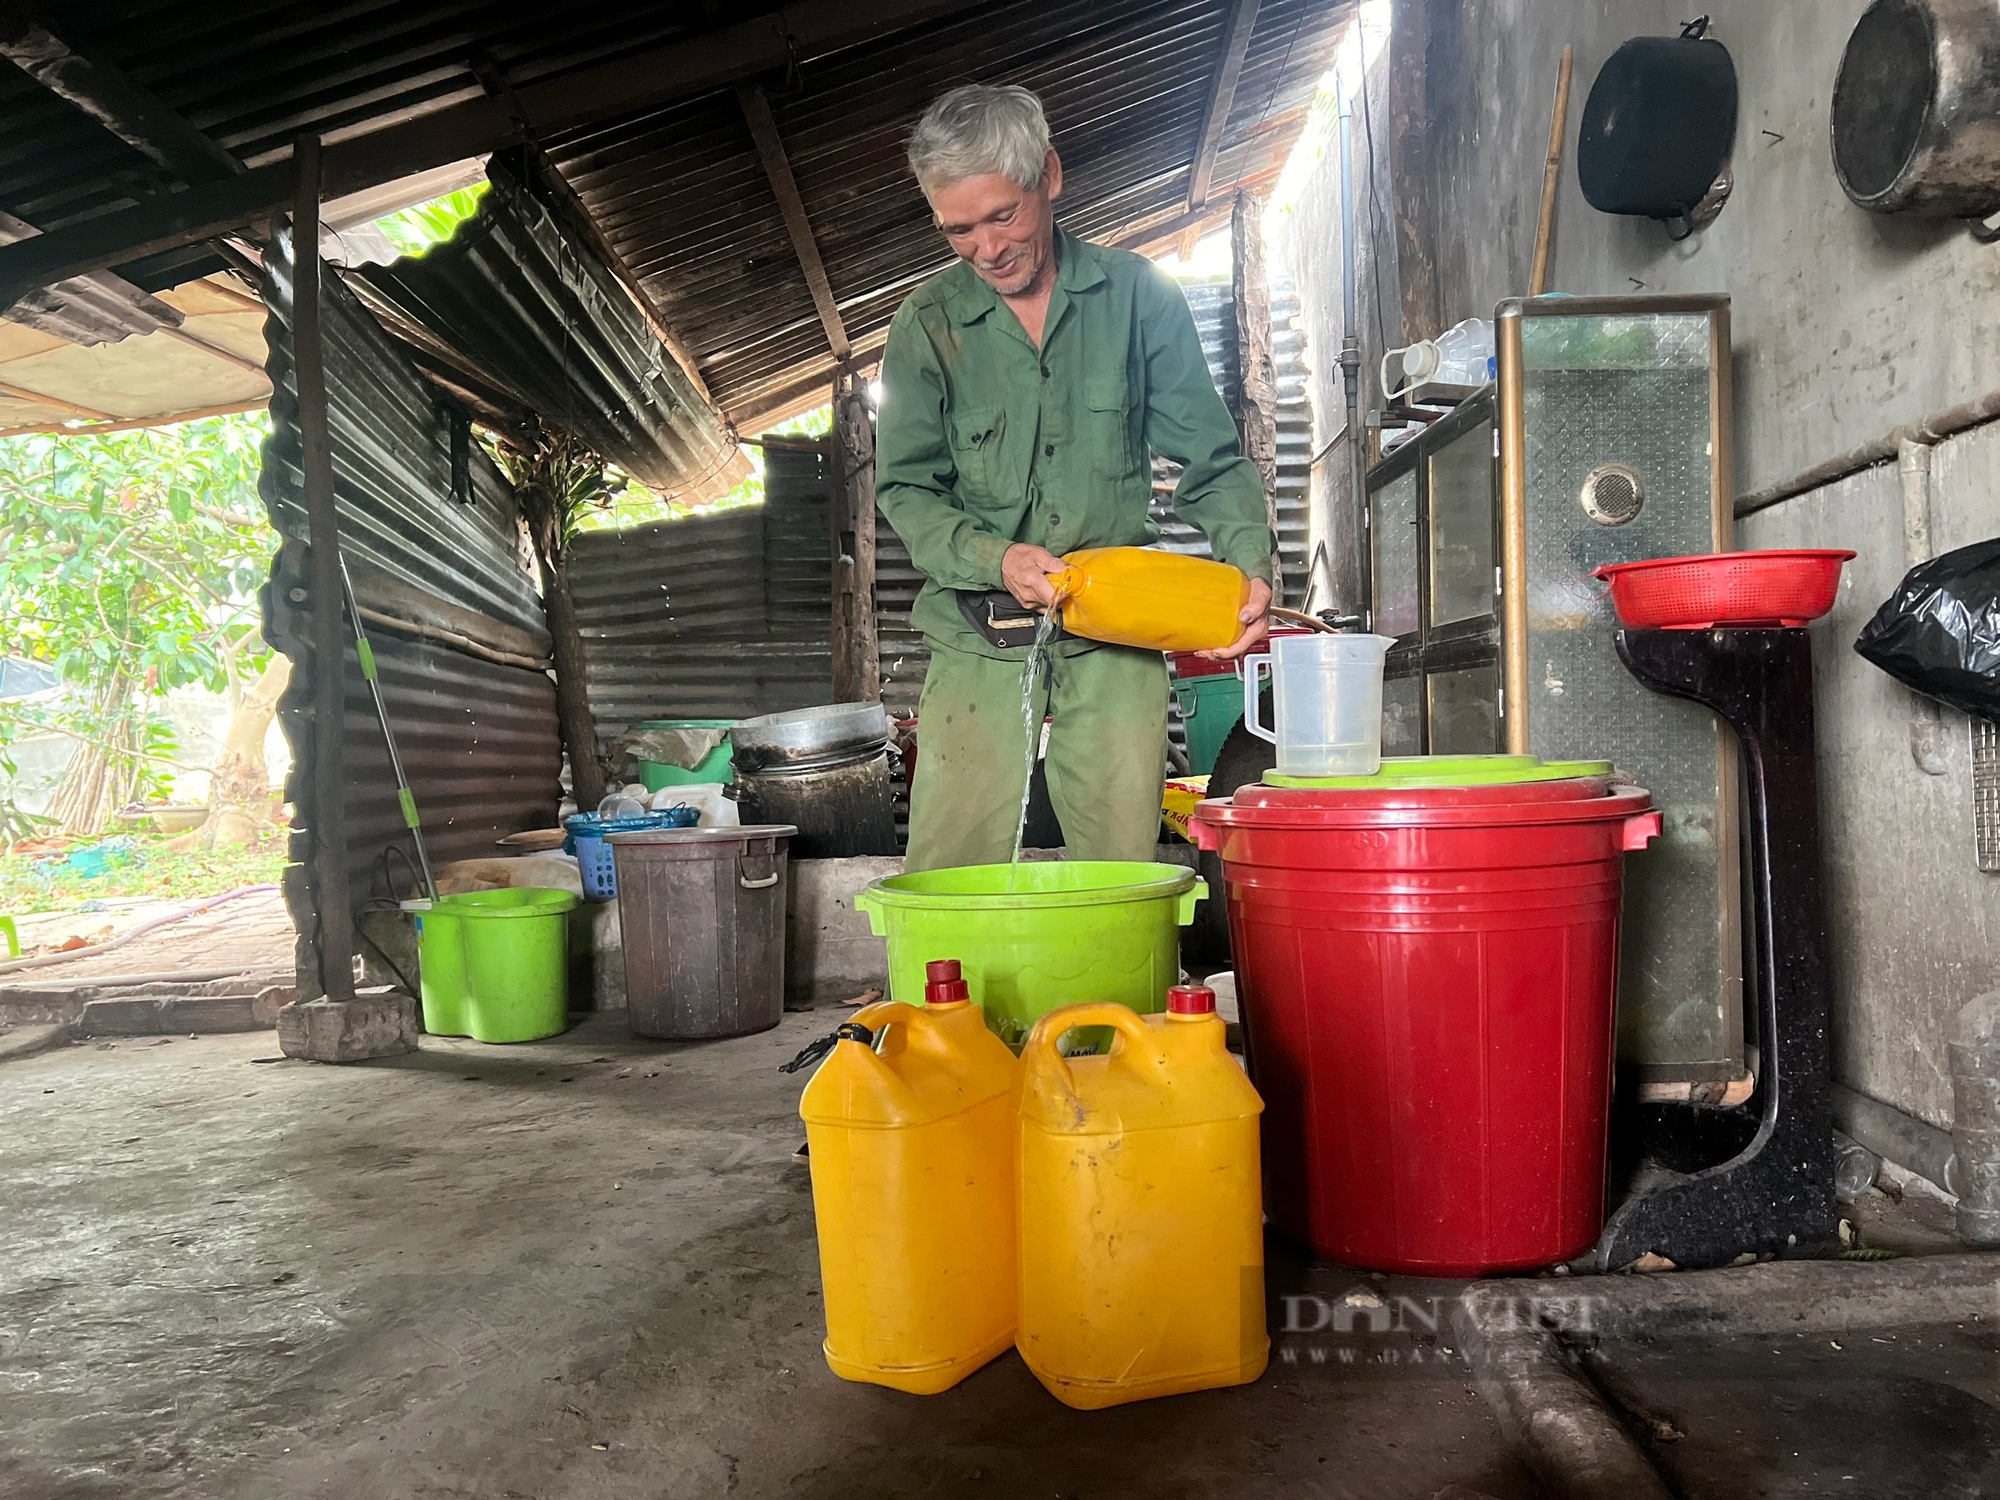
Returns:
point(1658, 127)
point(1916, 109)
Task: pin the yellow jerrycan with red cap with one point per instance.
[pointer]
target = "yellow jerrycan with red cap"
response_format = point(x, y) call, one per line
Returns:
point(1142, 1224)
point(1160, 601)
point(911, 1136)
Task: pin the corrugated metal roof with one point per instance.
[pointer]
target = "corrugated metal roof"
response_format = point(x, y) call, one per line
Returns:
point(678, 191)
point(100, 308)
point(478, 739)
point(531, 309)
point(713, 616)
point(682, 198)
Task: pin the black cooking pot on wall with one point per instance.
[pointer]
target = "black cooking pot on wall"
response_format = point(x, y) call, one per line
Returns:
point(1658, 126)
point(1916, 108)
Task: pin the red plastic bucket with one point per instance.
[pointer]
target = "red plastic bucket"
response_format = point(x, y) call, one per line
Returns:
point(1428, 984)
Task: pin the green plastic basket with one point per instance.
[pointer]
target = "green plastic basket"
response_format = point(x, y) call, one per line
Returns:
point(495, 964)
point(1038, 935)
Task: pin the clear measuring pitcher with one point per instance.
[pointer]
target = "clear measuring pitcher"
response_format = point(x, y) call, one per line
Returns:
point(1327, 695)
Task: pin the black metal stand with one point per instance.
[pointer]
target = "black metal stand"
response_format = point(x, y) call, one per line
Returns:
point(1778, 1190)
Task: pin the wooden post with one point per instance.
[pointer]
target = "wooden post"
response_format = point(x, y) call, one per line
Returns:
point(1257, 405)
point(857, 667)
point(331, 899)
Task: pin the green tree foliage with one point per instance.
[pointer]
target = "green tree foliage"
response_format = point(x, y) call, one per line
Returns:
point(415, 230)
point(130, 563)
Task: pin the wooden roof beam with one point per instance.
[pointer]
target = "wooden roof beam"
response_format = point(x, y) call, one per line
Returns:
point(778, 168)
point(129, 111)
point(1236, 28)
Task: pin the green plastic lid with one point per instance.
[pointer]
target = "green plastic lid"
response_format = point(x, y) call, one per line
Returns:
point(1417, 771)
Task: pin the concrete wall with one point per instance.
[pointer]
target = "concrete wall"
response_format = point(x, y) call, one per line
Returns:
point(1914, 925)
point(1308, 241)
point(1846, 324)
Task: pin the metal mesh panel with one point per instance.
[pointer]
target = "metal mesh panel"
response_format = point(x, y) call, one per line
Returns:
point(1392, 529)
point(1986, 793)
point(1465, 710)
point(1635, 391)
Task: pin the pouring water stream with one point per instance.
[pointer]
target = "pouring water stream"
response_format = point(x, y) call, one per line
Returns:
point(1036, 664)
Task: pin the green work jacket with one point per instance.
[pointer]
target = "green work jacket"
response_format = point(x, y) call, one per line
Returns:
point(985, 440)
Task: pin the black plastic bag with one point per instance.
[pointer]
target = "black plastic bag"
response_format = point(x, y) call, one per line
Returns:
point(1940, 631)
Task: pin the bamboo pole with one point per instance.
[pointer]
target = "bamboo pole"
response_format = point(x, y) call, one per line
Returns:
point(1538, 278)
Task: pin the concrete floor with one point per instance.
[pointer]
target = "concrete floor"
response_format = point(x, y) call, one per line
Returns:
point(584, 1267)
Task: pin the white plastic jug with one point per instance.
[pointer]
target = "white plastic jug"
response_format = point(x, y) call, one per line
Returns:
point(1461, 355)
point(706, 797)
point(1326, 691)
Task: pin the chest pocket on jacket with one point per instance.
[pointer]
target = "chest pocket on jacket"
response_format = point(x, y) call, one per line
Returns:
point(975, 449)
point(1107, 428)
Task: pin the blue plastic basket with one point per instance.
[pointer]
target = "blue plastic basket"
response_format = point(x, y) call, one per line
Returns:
point(593, 854)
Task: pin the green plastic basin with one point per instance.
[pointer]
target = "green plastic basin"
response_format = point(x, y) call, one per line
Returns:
point(1412, 772)
point(1038, 935)
point(494, 965)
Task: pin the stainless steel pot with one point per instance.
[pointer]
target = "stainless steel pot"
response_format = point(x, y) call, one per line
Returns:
point(1916, 109)
point(807, 738)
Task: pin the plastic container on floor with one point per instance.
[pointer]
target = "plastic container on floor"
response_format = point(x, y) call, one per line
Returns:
point(717, 765)
point(1158, 601)
point(1210, 706)
point(494, 965)
point(1033, 936)
point(1142, 1240)
point(1427, 978)
point(912, 1140)
point(701, 919)
point(594, 863)
point(1326, 694)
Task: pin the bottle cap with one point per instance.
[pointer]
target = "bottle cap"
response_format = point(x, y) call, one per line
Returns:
point(943, 984)
point(1190, 1000)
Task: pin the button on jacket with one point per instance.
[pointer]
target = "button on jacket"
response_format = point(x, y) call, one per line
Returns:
point(986, 440)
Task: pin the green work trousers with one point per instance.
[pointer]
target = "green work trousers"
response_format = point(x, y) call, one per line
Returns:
point(1107, 755)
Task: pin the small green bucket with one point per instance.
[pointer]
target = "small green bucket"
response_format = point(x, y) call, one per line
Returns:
point(495, 964)
point(1210, 705)
point(1038, 935)
point(718, 765)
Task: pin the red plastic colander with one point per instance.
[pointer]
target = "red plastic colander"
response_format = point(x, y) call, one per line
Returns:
point(1788, 587)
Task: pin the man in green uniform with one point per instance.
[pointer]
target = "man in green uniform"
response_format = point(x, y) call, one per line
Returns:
point(1023, 393)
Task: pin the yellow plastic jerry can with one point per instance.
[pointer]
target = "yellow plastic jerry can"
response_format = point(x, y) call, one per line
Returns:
point(1160, 601)
point(1142, 1243)
point(911, 1136)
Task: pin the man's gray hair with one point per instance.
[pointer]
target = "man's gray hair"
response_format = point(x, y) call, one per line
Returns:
point(978, 129)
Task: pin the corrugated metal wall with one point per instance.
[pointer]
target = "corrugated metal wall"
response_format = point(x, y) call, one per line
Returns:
point(478, 738)
point(522, 301)
point(716, 616)
point(903, 655)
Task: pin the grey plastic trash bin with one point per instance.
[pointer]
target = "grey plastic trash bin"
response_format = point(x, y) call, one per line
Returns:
point(702, 912)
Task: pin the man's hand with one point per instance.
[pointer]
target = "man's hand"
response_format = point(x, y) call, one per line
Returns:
point(1256, 618)
point(1026, 569)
